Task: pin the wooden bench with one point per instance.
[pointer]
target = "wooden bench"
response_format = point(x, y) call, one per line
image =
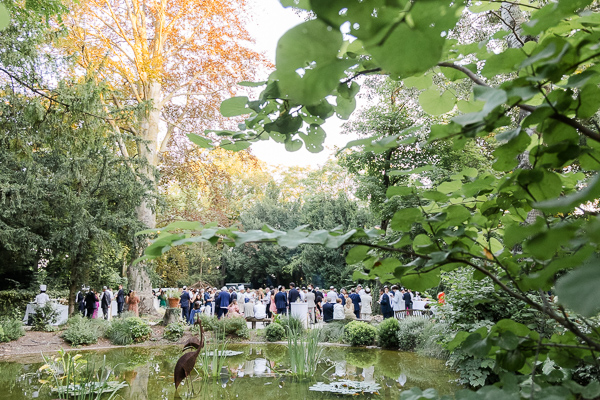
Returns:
point(265, 321)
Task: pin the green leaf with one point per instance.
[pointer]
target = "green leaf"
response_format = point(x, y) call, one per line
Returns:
point(200, 141)
point(418, 82)
point(476, 345)
point(235, 146)
point(410, 171)
point(578, 289)
point(404, 218)
point(591, 391)
point(503, 63)
point(292, 145)
point(434, 104)
point(234, 106)
point(4, 17)
point(567, 203)
point(421, 281)
point(303, 4)
point(307, 65)
point(252, 84)
point(314, 138)
point(398, 191)
point(357, 254)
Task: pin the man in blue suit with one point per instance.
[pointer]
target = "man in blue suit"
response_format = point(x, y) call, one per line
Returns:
point(224, 299)
point(184, 301)
point(356, 302)
point(281, 301)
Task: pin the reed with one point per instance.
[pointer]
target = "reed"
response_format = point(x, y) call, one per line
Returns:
point(76, 378)
point(212, 359)
point(304, 353)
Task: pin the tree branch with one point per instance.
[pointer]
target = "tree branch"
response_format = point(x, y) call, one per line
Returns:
point(526, 107)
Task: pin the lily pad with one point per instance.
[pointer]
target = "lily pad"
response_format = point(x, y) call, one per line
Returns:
point(224, 353)
point(345, 386)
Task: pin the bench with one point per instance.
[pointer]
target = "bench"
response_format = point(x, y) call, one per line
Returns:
point(413, 313)
point(265, 321)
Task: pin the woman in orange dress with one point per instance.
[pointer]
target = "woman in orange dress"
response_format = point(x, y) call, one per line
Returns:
point(133, 300)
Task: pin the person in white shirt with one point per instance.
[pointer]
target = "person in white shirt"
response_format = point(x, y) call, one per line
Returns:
point(42, 298)
point(338, 310)
point(397, 301)
point(360, 290)
point(303, 295)
point(260, 310)
point(248, 309)
point(331, 295)
point(241, 296)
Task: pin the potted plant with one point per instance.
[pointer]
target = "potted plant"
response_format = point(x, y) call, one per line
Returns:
point(173, 297)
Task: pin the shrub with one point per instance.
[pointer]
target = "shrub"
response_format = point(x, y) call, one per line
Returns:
point(293, 324)
point(274, 332)
point(409, 332)
point(235, 326)
point(44, 316)
point(208, 323)
point(82, 330)
point(332, 332)
point(388, 333)
point(431, 339)
point(359, 333)
point(10, 329)
point(173, 294)
point(174, 331)
point(125, 331)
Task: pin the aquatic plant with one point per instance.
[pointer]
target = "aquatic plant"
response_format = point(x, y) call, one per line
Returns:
point(304, 352)
point(212, 360)
point(76, 378)
point(346, 387)
point(291, 322)
point(235, 326)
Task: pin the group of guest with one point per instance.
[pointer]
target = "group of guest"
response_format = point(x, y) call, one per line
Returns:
point(90, 301)
point(396, 301)
point(343, 305)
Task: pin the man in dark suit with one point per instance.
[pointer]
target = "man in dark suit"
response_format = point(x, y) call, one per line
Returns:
point(232, 294)
point(407, 300)
point(386, 305)
point(341, 296)
point(356, 302)
point(224, 300)
point(293, 295)
point(327, 311)
point(120, 300)
point(281, 301)
point(105, 302)
point(90, 303)
point(80, 298)
point(184, 301)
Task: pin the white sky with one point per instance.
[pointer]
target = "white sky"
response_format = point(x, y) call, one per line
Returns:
point(269, 21)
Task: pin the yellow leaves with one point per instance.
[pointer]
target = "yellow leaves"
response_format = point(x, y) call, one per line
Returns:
point(43, 367)
point(488, 254)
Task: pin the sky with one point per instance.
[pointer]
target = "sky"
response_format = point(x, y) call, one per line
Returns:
point(268, 22)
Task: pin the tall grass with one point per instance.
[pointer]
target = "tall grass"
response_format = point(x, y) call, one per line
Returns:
point(304, 353)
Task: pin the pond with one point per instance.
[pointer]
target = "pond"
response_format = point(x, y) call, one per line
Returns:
point(256, 373)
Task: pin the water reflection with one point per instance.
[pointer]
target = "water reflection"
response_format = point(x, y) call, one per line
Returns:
point(258, 372)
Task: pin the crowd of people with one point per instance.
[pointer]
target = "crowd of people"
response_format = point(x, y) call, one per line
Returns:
point(355, 303)
point(89, 301)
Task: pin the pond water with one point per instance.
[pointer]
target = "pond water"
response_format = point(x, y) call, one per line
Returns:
point(257, 373)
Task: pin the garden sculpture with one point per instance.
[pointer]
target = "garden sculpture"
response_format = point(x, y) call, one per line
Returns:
point(186, 362)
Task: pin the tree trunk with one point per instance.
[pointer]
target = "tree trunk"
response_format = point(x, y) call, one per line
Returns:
point(139, 279)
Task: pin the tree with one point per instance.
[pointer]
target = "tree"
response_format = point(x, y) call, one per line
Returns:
point(176, 59)
point(476, 220)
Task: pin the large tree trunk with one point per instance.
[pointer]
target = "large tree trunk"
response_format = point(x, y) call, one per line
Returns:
point(139, 279)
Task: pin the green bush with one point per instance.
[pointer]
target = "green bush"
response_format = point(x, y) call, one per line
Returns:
point(82, 330)
point(359, 333)
point(208, 323)
point(235, 326)
point(409, 332)
point(174, 331)
point(291, 323)
point(274, 332)
point(388, 333)
point(128, 330)
point(10, 329)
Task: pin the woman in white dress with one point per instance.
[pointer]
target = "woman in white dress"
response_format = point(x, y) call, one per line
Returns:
point(365, 305)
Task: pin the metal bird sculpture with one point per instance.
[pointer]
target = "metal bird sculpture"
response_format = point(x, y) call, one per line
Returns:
point(186, 362)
